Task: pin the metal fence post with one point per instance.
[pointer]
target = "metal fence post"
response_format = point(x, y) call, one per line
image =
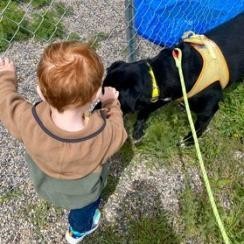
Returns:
point(130, 31)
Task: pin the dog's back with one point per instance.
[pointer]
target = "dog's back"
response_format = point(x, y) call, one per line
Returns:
point(230, 38)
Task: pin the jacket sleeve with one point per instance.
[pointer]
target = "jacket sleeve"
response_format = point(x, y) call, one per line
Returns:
point(12, 105)
point(115, 120)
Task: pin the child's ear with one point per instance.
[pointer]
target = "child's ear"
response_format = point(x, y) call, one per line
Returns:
point(97, 94)
point(39, 92)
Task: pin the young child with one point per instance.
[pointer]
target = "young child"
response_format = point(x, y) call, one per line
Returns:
point(67, 143)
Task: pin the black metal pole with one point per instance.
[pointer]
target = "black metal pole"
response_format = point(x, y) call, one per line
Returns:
point(130, 31)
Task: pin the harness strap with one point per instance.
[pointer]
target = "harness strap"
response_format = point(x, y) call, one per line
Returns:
point(214, 67)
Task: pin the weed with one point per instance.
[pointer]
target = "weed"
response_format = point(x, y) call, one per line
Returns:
point(154, 230)
point(45, 25)
point(13, 26)
point(97, 38)
point(9, 195)
point(39, 215)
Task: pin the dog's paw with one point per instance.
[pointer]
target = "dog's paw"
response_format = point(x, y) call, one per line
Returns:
point(137, 135)
point(181, 106)
point(181, 144)
point(137, 141)
point(185, 142)
point(137, 138)
point(242, 140)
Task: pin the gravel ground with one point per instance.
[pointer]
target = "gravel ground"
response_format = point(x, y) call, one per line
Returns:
point(139, 189)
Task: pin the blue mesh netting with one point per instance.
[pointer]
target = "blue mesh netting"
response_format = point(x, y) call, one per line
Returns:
point(164, 21)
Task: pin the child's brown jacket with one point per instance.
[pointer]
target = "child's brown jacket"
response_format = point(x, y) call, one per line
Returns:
point(67, 168)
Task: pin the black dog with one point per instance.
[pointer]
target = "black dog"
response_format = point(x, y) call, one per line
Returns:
point(135, 81)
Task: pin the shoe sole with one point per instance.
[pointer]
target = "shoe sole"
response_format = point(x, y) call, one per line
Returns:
point(72, 240)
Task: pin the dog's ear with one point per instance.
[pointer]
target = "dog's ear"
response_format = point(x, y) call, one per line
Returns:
point(115, 75)
point(113, 78)
point(115, 65)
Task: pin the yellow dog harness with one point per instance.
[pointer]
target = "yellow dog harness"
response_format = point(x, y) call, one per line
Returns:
point(214, 67)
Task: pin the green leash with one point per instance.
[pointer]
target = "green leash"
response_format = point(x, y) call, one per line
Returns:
point(177, 54)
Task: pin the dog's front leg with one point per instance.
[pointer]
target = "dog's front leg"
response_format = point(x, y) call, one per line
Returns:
point(142, 117)
point(139, 127)
point(200, 124)
point(204, 105)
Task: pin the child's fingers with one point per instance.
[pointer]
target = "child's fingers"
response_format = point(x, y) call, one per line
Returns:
point(6, 61)
point(7, 64)
point(1, 61)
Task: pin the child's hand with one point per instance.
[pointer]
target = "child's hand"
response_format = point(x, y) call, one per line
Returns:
point(6, 65)
point(110, 93)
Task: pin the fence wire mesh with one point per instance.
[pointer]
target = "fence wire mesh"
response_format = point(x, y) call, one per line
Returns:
point(26, 27)
point(103, 23)
point(164, 21)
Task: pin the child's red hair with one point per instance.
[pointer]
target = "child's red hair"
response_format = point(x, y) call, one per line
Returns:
point(69, 73)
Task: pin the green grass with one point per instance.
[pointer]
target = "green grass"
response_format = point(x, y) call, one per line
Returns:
point(152, 230)
point(9, 195)
point(47, 27)
point(40, 3)
point(9, 25)
point(230, 119)
point(73, 37)
point(41, 24)
point(39, 215)
point(96, 39)
point(35, 3)
point(165, 128)
point(225, 171)
point(145, 230)
point(200, 223)
point(169, 124)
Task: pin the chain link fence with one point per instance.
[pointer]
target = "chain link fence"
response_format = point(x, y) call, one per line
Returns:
point(115, 23)
point(102, 23)
point(26, 27)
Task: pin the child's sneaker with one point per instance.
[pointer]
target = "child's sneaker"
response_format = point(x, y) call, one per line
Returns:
point(74, 237)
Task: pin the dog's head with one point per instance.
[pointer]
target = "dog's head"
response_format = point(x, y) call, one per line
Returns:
point(131, 80)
